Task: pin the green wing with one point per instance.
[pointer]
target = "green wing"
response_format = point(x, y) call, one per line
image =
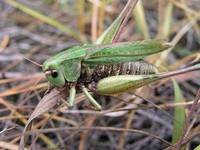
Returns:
point(124, 52)
point(106, 60)
point(68, 54)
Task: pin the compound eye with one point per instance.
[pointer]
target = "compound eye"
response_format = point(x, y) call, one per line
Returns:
point(54, 73)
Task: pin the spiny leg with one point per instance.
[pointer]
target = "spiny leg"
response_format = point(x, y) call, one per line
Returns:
point(91, 99)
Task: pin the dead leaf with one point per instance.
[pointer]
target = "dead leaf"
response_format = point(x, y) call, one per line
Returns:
point(47, 102)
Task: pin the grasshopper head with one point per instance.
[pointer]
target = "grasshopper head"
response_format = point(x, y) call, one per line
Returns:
point(53, 73)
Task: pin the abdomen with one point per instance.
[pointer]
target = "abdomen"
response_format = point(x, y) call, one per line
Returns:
point(129, 68)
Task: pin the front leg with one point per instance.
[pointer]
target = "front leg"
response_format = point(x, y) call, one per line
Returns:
point(49, 88)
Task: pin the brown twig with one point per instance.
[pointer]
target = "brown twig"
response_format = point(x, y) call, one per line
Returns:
point(97, 128)
point(129, 7)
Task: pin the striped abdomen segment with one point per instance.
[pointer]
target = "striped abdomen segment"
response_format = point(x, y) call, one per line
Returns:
point(130, 68)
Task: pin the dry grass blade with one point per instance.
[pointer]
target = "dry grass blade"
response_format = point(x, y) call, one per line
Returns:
point(94, 21)
point(23, 88)
point(124, 18)
point(13, 110)
point(9, 146)
point(139, 15)
point(88, 123)
point(101, 18)
point(81, 19)
point(113, 129)
point(174, 41)
point(185, 8)
point(190, 18)
point(4, 43)
point(128, 124)
point(45, 19)
point(129, 108)
point(48, 101)
point(15, 77)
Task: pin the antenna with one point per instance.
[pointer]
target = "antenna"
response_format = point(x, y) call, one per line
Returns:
point(33, 62)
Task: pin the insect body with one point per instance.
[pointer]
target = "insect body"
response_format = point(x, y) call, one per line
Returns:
point(85, 66)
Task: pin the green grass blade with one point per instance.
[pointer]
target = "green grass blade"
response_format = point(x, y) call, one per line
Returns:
point(66, 29)
point(140, 19)
point(179, 114)
point(168, 20)
point(109, 34)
